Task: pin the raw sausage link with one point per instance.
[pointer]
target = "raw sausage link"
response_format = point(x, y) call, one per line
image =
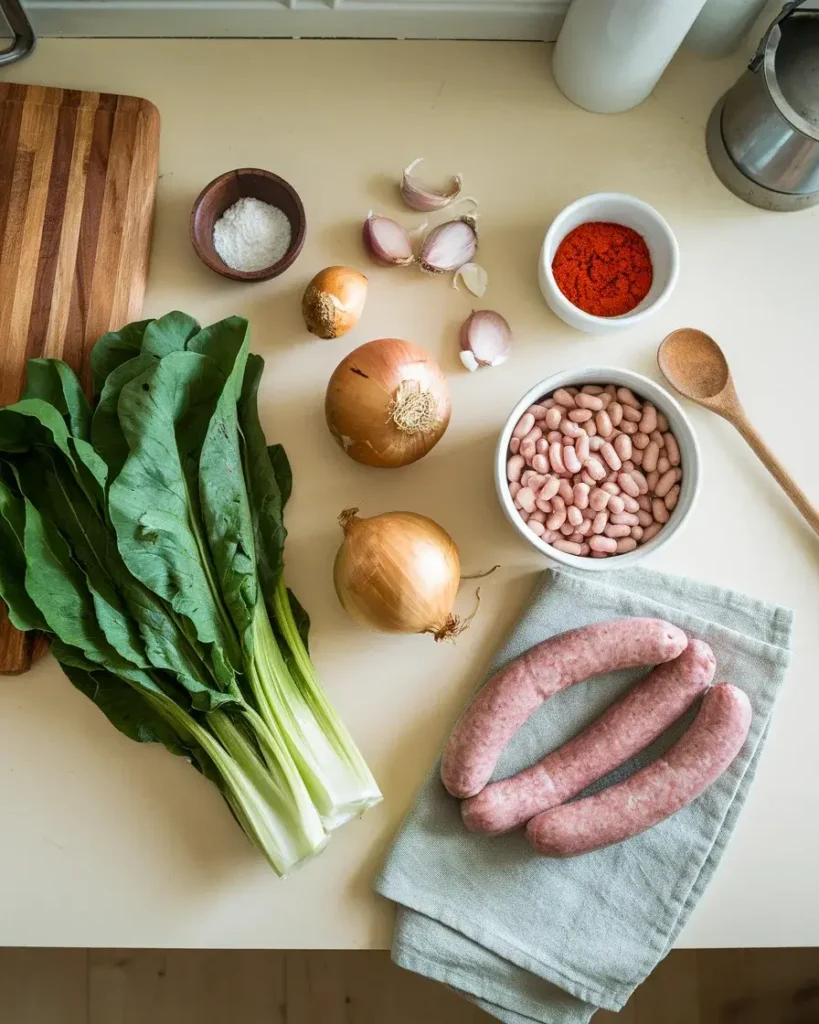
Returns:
point(625, 728)
point(654, 793)
point(513, 695)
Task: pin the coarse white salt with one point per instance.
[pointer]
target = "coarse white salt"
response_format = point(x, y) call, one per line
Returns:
point(252, 235)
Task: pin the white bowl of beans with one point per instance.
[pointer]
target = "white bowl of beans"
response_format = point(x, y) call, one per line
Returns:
point(597, 468)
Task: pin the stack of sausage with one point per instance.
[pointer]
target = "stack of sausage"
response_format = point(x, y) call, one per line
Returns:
point(538, 795)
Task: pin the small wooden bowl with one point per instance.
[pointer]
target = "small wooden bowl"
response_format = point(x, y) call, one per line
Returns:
point(226, 190)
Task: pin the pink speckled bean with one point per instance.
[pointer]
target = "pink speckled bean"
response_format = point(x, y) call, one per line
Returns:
point(615, 411)
point(569, 547)
point(631, 413)
point(539, 516)
point(586, 479)
point(574, 515)
point(584, 549)
point(628, 484)
point(623, 446)
point(537, 528)
point(610, 456)
point(534, 434)
point(544, 505)
point(514, 487)
point(610, 486)
point(651, 480)
point(569, 429)
point(627, 466)
point(657, 438)
point(550, 536)
point(650, 456)
point(617, 531)
point(592, 389)
point(650, 532)
point(579, 415)
point(644, 518)
point(640, 480)
point(659, 511)
point(603, 422)
point(567, 529)
point(556, 519)
point(630, 504)
point(595, 442)
point(629, 428)
point(591, 402)
point(514, 445)
point(553, 417)
point(580, 494)
point(616, 505)
point(564, 398)
point(636, 457)
point(528, 450)
point(672, 498)
point(595, 468)
point(644, 502)
point(640, 440)
point(581, 447)
point(649, 419)
point(600, 522)
point(556, 457)
point(554, 437)
point(625, 544)
point(566, 492)
point(600, 543)
point(637, 532)
point(598, 499)
point(672, 449)
point(627, 397)
point(665, 483)
point(526, 499)
point(662, 423)
point(540, 464)
point(625, 519)
point(526, 477)
point(585, 527)
point(591, 428)
point(599, 554)
point(514, 468)
point(538, 411)
point(663, 465)
point(589, 513)
point(524, 425)
point(558, 504)
point(606, 399)
point(570, 460)
point(550, 487)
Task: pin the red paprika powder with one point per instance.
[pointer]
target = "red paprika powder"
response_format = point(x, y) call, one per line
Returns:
point(603, 268)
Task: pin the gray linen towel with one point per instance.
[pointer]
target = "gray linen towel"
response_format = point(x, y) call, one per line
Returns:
point(537, 939)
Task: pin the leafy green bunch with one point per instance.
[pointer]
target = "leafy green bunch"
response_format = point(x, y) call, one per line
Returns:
point(145, 536)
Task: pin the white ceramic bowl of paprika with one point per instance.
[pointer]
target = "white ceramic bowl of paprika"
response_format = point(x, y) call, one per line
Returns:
point(617, 208)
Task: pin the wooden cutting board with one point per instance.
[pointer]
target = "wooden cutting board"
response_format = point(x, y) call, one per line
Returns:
point(78, 174)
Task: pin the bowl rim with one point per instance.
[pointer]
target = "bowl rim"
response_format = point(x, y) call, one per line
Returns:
point(266, 273)
point(625, 319)
point(643, 386)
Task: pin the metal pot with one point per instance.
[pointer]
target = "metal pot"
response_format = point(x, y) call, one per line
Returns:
point(763, 135)
point(23, 37)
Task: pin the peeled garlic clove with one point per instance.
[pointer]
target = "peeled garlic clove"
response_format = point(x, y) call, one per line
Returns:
point(449, 246)
point(421, 197)
point(388, 243)
point(486, 340)
point(473, 276)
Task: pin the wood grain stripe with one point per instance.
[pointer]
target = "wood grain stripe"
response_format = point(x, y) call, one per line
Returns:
point(64, 280)
point(55, 208)
point(11, 115)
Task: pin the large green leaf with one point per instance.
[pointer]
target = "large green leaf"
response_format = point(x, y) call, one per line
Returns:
point(170, 333)
point(115, 348)
point(153, 510)
point(55, 382)
point(281, 469)
point(24, 614)
point(106, 432)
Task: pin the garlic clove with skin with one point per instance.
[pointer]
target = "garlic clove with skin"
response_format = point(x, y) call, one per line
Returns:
point(486, 340)
point(419, 196)
point(387, 242)
point(449, 246)
point(474, 277)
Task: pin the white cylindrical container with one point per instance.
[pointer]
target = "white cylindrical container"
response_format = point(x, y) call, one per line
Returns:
point(722, 25)
point(610, 53)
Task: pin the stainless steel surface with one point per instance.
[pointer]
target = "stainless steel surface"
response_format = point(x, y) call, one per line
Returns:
point(23, 37)
point(769, 121)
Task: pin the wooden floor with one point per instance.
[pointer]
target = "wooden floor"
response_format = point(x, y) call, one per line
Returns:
point(214, 987)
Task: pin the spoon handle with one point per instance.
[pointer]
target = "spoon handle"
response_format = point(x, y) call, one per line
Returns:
point(778, 471)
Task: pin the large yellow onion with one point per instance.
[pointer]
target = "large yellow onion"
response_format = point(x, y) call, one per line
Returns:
point(398, 573)
point(387, 403)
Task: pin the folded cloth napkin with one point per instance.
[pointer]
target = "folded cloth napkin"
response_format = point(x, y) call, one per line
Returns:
point(533, 938)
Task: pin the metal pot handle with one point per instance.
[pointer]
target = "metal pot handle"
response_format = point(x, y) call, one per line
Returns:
point(786, 12)
point(21, 30)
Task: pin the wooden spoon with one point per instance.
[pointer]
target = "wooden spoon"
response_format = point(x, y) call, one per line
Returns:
point(695, 365)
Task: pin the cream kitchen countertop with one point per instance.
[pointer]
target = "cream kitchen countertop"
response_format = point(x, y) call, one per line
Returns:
point(108, 843)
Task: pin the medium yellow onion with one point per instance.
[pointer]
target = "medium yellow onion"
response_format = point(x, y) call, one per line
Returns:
point(398, 573)
point(334, 301)
point(387, 403)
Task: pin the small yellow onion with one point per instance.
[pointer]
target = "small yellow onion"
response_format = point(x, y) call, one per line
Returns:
point(334, 301)
point(398, 573)
point(387, 403)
